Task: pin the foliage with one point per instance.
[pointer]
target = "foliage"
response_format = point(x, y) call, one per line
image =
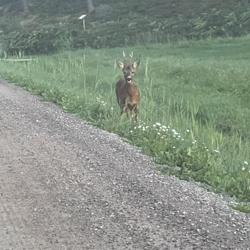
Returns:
point(44, 40)
point(124, 24)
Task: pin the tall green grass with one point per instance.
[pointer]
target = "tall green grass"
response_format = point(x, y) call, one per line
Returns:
point(195, 107)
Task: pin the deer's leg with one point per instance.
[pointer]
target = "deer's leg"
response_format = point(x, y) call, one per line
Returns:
point(135, 109)
point(136, 114)
point(127, 112)
point(130, 111)
point(126, 108)
point(122, 104)
point(122, 110)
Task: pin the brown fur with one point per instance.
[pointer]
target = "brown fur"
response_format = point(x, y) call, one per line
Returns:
point(127, 93)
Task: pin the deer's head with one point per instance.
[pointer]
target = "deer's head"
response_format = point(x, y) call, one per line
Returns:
point(128, 67)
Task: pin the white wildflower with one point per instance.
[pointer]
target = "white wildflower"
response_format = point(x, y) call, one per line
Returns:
point(245, 162)
point(243, 169)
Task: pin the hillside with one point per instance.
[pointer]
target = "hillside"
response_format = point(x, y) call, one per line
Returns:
point(47, 26)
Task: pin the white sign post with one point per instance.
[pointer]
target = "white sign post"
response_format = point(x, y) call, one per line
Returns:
point(82, 17)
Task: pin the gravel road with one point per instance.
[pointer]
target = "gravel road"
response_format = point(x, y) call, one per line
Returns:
point(67, 185)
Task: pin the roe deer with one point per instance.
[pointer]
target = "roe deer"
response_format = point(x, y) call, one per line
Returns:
point(127, 93)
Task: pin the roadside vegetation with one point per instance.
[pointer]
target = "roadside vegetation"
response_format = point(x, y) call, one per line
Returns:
point(34, 26)
point(195, 109)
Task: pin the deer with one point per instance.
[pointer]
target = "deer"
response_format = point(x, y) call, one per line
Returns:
point(127, 92)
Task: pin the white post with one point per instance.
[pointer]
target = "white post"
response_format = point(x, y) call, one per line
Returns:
point(82, 17)
point(83, 24)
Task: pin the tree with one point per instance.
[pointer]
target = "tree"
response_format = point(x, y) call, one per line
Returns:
point(25, 6)
point(91, 7)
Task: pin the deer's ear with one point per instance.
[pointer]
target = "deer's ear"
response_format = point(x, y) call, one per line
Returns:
point(120, 64)
point(136, 64)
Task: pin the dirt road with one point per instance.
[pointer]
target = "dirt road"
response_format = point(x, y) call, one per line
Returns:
point(67, 185)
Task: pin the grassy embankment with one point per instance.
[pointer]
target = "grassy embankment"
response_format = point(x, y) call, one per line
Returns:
point(195, 108)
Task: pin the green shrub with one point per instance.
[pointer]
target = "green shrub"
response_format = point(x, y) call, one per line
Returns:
point(124, 26)
point(45, 40)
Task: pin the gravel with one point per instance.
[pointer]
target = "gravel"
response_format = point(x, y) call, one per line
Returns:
point(67, 185)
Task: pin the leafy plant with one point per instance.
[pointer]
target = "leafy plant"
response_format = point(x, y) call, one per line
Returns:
point(124, 25)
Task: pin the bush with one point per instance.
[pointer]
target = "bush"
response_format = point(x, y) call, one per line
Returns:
point(128, 29)
point(42, 41)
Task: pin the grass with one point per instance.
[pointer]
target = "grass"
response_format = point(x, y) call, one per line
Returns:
point(195, 108)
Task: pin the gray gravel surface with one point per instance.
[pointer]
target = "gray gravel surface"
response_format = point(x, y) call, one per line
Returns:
point(67, 185)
